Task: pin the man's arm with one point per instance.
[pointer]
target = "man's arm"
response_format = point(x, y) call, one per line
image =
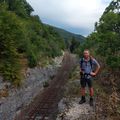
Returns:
point(97, 68)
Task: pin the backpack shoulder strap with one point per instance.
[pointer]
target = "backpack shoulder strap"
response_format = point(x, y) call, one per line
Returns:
point(91, 62)
point(81, 62)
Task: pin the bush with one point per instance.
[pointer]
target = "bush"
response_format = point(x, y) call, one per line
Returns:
point(32, 60)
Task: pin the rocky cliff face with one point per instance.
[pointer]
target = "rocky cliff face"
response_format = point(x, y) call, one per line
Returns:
point(19, 97)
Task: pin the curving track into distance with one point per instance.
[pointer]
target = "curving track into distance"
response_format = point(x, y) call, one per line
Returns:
point(44, 106)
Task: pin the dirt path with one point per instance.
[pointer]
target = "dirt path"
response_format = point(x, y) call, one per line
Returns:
point(44, 106)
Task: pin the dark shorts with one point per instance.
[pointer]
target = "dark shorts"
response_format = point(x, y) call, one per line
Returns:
point(85, 82)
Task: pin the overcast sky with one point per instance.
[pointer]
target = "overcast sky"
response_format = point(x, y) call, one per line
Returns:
point(77, 16)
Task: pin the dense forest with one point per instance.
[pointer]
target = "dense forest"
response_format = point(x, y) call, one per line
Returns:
point(104, 44)
point(23, 35)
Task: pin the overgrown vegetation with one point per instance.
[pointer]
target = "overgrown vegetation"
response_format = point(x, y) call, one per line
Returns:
point(23, 33)
point(73, 45)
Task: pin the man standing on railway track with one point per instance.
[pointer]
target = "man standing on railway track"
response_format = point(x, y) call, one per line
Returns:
point(89, 68)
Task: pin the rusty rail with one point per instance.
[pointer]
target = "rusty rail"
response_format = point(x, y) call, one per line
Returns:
point(44, 106)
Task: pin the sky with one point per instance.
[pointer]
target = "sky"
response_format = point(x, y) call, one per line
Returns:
point(77, 16)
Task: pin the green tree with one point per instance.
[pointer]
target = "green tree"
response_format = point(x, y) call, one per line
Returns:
point(20, 7)
point(106, 39)
point(109, 33)
point(8, 51)
point(74, 45)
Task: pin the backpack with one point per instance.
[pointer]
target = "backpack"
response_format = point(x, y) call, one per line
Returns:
point(91, 64)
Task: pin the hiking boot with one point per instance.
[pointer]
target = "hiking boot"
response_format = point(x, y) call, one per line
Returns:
point(83, 100)
point(91, 101)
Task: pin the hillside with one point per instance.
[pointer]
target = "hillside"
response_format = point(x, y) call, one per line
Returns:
point(68, 35)
point(23, 35)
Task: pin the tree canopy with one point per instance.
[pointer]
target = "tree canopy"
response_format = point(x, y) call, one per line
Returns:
point(105, 40)
point(24, 34)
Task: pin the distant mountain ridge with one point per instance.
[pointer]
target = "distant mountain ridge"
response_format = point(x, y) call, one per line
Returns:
point(66, 35)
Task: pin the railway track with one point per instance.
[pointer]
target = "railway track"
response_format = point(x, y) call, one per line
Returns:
point(44, 106)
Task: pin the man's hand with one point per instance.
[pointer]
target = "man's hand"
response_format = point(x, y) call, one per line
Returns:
point(81, 72)
point(93, 74)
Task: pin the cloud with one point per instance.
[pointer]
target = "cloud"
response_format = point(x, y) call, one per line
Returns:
point(79, 14)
